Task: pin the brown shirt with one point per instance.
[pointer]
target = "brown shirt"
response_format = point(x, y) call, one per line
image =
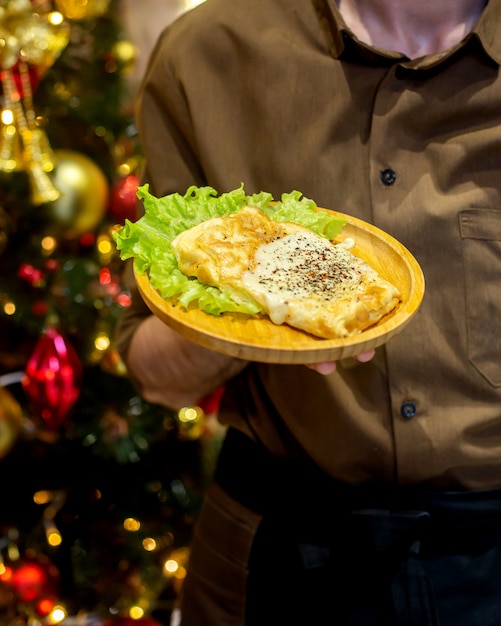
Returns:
point(279, 95)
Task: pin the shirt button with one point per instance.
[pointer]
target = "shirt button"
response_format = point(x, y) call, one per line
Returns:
point(388, 176)
point(408, 410)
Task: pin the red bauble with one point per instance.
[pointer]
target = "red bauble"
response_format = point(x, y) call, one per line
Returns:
point(52, 379)
point(31, 580)
point(30, 274)
point(123, 199)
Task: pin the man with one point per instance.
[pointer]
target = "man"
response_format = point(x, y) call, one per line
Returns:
point(366, 492)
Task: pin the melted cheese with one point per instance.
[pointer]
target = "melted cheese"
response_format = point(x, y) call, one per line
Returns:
point(301, 265)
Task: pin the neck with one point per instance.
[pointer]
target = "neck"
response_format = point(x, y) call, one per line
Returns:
point(413, 27)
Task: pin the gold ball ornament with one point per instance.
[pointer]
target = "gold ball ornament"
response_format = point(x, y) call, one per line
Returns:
point(82, 9)
point(10, 421)
point(84, 195)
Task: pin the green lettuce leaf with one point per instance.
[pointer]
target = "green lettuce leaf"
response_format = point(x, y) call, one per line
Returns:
point(148, 240)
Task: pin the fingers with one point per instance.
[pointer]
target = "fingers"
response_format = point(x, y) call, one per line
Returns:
point(328, 367)
point(363, 357)
point(322, 368)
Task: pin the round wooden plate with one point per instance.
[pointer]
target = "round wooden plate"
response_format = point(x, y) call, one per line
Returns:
point(256, 338)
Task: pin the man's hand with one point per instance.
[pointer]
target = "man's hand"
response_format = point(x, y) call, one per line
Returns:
point(329, 366)
point(172, 370)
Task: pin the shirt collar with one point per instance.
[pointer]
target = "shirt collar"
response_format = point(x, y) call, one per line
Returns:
point(487, 31)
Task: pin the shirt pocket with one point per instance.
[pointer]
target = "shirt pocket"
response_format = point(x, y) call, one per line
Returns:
point(481, 243)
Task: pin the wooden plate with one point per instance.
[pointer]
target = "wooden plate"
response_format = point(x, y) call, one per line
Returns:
point(256, 338)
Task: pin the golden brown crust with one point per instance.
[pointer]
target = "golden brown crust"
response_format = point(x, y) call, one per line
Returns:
point(219, 250)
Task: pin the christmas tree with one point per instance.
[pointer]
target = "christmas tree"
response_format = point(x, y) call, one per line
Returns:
point(100, 488)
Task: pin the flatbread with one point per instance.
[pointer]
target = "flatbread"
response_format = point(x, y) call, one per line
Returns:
point(296, 276)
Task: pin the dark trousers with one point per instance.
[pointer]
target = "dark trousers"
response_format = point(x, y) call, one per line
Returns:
point(330, 554)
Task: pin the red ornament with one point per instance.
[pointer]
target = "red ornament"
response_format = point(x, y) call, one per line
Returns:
point(32, 275)
point(123, 199)
point(31, 580)
point(52, 379)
